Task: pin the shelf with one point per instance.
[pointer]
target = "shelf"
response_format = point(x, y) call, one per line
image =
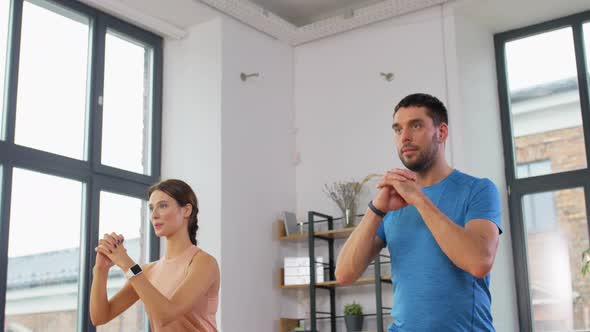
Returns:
point(328, 236)
point(339, 233)
point(342, 316)
point(331, 283)
point(288, 324)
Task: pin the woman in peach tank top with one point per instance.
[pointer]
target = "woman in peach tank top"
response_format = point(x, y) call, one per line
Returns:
point(179, 291)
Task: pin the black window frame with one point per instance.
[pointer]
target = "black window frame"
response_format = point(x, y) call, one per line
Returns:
point(95, 176)
point(517, 188)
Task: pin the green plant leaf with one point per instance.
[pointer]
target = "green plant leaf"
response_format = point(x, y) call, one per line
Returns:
point(353, 309)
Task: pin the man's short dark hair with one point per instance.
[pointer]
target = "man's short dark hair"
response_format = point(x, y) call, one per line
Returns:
point(436, 109)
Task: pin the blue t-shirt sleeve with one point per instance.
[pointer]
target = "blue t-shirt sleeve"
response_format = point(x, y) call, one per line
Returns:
point(381, 230)
point(484, 203)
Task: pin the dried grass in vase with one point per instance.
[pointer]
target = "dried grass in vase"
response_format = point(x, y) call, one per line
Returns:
point(345, 195)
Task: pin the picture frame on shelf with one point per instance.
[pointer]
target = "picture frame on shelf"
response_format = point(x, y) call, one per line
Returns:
point(291, 224)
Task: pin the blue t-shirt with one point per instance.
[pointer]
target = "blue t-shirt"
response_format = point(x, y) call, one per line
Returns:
point(430, 293)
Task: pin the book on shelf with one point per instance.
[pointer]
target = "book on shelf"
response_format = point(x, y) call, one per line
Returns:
point(297, 272)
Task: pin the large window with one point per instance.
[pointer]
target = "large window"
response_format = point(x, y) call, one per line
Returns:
point(80, 107)
point(127, 85)
point(129, 216)
point(52, 76)
point(545, 110)
point(43, 251)
point(4, 11)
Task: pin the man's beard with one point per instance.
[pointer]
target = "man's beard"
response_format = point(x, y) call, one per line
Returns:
point(424, 160)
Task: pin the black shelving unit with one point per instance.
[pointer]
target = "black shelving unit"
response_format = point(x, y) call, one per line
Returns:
point(331, 267)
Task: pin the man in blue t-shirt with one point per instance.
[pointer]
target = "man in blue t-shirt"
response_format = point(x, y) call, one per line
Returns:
point(441, 228)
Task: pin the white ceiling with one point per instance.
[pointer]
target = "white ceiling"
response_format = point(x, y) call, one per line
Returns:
point(303, 12)
point(299, 21)
point(324, 17)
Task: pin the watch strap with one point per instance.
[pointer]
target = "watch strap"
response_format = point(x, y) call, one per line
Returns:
point(133, 271)
point(376, 210)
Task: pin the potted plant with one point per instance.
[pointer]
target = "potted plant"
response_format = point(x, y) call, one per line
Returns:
point(345, 195)
point(353, 317)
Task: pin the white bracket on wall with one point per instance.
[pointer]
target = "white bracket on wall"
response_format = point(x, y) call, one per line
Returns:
point(244, 77)
point(388, 76)
point(296, 159)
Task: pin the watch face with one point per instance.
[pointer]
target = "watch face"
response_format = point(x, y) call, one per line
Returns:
point(135, 269)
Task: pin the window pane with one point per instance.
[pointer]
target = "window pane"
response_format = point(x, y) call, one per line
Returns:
point(538, 210)
point(544, 101)
point(4, 16)
point(51, 99)
point(559, 292)
point(43, 253)
point(586, 32)
point(126, 129)
point(128, 216)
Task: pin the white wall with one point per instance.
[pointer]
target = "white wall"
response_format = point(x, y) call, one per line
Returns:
point(477, 138)
point(231, 141)
point(191, 124)
point(258, 178)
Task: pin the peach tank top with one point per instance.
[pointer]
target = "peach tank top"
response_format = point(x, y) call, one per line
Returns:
point(166, 275)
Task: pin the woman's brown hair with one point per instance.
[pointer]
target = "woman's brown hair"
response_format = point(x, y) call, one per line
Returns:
point(183, 194)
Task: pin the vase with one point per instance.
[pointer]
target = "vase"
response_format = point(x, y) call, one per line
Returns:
point(349, 217)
